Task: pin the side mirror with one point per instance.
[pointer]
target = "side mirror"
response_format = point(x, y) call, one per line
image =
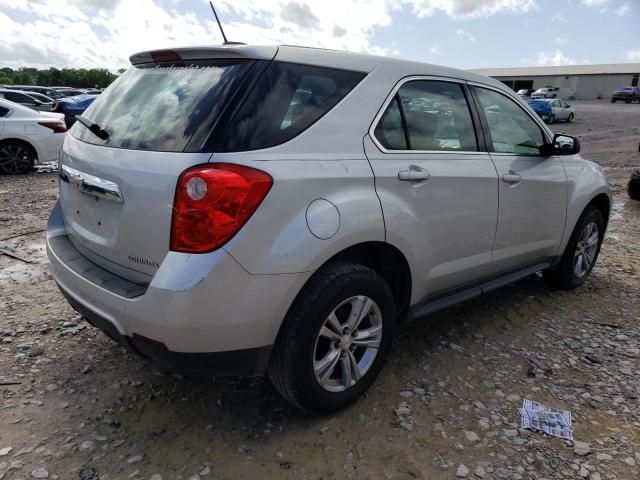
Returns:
point(562, 145)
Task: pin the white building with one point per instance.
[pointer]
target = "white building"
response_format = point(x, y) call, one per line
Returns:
point(583, 82)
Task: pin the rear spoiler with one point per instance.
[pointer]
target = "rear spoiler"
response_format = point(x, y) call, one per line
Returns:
point(205, 53)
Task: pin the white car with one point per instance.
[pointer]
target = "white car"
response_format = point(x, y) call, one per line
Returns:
point(546, 92)
point(27, 136)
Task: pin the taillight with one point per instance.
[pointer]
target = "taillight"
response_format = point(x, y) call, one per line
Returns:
point(212, 203)
point(57, 126)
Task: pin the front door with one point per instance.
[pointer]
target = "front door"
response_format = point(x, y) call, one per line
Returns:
point(438, 191)
point(533, 188)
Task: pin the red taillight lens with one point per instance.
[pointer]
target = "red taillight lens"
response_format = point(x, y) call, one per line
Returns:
point(57, 127)
point(212, 203)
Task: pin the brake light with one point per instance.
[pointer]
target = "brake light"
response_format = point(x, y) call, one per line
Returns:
point(212, 202)
point(166, 56)
point(57, 126)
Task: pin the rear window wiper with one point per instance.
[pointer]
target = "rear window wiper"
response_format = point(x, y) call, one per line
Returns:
point(94, 128)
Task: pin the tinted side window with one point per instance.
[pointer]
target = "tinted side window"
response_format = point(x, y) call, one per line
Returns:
point(437, 117)
point(3, 111)
point(390, 129)
point(17, 98)
point(512, 130)
point(287, 100)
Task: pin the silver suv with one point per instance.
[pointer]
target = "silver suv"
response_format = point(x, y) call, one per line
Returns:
point(239, 210)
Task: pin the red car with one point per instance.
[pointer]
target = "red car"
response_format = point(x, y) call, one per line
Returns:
point(626, 94)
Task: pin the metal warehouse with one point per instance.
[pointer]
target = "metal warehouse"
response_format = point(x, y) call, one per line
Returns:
point(582, 82)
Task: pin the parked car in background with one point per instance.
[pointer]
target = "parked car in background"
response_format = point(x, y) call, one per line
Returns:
point(546, 92)
point(71, 92)
point(72, 106)
point(525, 93)
point(626, 94)
point(26, 99)
point(28, 136)
point(552, 110)
point(48, 91)
point(286, 213)
point(39, 96)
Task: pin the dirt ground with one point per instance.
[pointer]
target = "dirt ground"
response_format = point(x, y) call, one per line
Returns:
point(74, 405)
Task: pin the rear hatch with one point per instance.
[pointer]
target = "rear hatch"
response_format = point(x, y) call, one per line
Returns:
point(117, 193)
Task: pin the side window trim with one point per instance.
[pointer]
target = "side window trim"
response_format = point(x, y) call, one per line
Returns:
point(393, 96)
point(405, 130)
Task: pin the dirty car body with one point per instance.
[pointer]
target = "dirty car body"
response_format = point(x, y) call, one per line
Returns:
point(281, 208)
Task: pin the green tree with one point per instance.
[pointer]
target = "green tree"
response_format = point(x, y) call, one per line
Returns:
point(23, 78)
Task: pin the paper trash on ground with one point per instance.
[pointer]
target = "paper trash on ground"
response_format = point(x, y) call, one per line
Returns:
point(551, 421)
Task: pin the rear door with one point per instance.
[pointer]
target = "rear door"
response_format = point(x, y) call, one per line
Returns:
point(438, 189)
point(117, 193)
point(533, 188)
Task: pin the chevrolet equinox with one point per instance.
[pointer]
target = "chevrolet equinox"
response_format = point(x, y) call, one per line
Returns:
point(238, 210)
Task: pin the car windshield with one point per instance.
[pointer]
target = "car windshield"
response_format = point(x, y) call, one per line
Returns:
point(162, 106)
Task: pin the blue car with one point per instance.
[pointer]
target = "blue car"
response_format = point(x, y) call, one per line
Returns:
point(72, 106)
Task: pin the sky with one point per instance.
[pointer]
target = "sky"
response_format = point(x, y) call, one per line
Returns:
point(457, 33)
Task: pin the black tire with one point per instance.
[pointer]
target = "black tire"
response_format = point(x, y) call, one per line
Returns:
point(613, 100)
point(570, 119)
point(292, 359)
point(564, 276)
point(628, 100)
point(551, 119)
point(16, 157)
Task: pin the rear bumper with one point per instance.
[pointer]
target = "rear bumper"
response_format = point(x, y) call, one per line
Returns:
point(201, 314)
point(247, 362)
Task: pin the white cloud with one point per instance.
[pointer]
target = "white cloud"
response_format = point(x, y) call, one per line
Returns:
point(104, 33)
point(549, 58)
point(559, 18)
point(623, 10)
point(595, 3)
point(464, 9)
point(463, 33)
point(634, 55)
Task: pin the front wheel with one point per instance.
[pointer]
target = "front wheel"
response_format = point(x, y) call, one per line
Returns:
point(551, 119)
point(335, 339)
point(570, 118)
point(581, 252)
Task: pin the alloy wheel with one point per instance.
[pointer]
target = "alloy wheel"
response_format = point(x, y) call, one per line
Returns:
point(15, 158)
point(347, 343)
point(586, 248)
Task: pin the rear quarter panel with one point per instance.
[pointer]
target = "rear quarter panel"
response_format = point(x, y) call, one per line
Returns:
point(277, 238)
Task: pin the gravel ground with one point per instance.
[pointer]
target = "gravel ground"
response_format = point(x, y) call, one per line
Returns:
point(76, 406)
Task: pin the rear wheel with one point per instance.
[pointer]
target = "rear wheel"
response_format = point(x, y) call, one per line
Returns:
point(613, 100)
point(16, 157)
point(581, 252)
point(335, 339)
point(628, 100)
point(551, 119)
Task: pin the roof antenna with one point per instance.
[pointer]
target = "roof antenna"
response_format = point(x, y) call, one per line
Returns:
point(224, 37)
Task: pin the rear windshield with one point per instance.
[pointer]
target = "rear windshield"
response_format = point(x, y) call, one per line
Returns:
point(286, 100)
point(162, 107)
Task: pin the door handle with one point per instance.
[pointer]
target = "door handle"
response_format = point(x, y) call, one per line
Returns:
point(414, 175)
point(511, 177)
